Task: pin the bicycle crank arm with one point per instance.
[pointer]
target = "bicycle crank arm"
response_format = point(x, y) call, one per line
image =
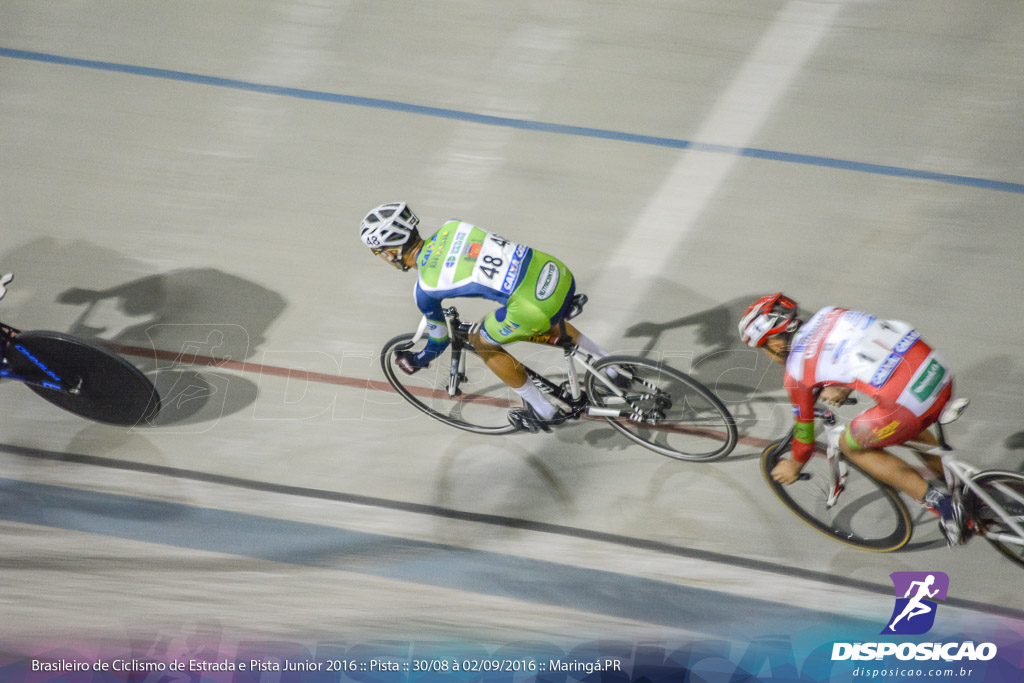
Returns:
point(628, 414)
point(608, 412)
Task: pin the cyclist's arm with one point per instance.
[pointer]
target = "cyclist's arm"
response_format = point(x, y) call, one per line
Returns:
point(802, 398)
point(437, 328)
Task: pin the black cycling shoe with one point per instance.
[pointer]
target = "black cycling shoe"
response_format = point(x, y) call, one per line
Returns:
point(952, 527)
point(526, 419)
point(951, 516)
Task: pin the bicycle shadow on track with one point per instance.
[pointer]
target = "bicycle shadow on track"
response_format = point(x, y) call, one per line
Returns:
point(178, 327)
point(518, 496)
point(705, 344)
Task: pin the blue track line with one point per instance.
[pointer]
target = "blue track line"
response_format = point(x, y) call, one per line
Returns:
point(521, 124)
point(546, 582)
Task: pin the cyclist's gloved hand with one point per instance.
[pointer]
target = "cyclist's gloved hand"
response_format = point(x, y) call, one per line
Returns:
point(409, 362)
point(4, 279)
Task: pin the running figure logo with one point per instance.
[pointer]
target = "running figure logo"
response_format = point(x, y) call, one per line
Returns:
point(914, 613)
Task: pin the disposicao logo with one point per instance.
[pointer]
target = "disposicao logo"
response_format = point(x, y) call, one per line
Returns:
point(914, 614)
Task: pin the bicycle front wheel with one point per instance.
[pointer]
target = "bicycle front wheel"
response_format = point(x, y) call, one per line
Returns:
point(1007, 491)
point(867, 515)
point(83, 378)
point(483, 401)
point(667, 411)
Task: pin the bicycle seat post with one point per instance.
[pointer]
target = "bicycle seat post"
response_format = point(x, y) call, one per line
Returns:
point(564, 340)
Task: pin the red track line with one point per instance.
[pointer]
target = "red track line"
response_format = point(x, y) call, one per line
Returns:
point(319, 377)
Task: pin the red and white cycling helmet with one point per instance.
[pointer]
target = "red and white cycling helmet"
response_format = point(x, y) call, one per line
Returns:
point(390, 226)
point(772, 314)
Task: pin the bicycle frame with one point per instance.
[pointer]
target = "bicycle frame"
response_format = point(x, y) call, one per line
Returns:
point(458, 333)
point(958, 474)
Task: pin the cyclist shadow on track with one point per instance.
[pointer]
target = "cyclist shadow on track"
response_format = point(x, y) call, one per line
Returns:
point(177, 327)
point(181, 327)
point(745, 380)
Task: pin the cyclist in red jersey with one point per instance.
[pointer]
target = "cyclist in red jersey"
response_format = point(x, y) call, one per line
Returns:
point(839, 351)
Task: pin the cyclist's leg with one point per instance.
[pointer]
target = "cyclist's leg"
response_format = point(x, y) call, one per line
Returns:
point(509, 370)
point(925, 437)
point(866, 437)
point(542, 299)
point(553, 335)
point(501, 362)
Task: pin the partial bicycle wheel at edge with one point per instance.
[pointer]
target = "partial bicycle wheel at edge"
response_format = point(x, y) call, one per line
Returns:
point(868, 514)
point(481, 407)
point(104, 387)
point(1007, 489)
point(694, 425)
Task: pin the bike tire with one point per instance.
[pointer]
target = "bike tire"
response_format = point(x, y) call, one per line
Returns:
point(696, 425)
point(481, 408)
point(109, 389)
point(869, 514)
point(1007, 488)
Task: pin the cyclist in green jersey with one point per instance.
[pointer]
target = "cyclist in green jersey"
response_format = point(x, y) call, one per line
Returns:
point(535, 291)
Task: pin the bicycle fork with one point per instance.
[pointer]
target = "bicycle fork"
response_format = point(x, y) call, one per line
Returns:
point(837, 466)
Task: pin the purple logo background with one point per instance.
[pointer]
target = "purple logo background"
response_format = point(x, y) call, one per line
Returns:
point(916, 596)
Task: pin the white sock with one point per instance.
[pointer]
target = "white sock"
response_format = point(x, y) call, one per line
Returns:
point(537, 400)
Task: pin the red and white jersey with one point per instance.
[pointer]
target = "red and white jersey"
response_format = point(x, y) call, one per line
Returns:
point(885, 359)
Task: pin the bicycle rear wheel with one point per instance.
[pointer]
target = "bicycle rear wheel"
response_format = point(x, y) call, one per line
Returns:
point(1007, 489)
point(481, 406)
point(83, 378)
point(868, 514)
point(690, 424)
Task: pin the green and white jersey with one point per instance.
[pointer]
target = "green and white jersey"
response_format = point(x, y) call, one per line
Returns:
point(462, 260)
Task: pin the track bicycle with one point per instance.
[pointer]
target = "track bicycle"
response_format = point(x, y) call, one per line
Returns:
point(839, 499)
point(78, 376)
point(651, 403)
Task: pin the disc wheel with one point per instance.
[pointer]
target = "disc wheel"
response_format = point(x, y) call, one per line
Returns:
point(672, 413)
point(867, 515)
point(481, 406)
point(83, 378)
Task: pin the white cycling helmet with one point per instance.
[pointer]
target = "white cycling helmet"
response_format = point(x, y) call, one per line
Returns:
point(388, 226)
point(769, 315)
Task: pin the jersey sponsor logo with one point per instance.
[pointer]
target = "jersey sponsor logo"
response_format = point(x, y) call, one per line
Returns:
point(821, 331)
point(474, 249)
point(453, 252)
point(547, 281)
point(507, 328)
point(428, 251)
point(886, 431)
point(513, 270)
point(839, 350)
point(928, 381)
point(903, 345)
point(885, 370)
